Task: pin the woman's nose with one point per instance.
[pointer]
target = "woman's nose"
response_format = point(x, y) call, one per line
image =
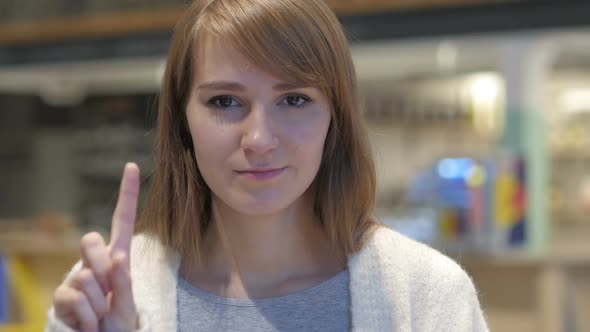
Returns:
point(258, 135)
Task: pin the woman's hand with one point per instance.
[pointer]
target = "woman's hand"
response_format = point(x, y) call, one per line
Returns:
point(98, 297)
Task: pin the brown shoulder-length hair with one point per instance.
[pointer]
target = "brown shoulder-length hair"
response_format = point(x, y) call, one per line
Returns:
point(299, 40)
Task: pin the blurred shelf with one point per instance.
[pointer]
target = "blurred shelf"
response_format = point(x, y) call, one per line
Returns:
point(570, 159)
point(390, 19)
point(105, 25)
point(367, 6)
point(564, 258)
point(533, 296)
point(142, 20)
point(570, 155)
point(37, 243)
point(567, 248)
point(544, 292)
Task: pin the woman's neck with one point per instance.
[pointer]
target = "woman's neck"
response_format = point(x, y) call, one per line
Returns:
point(263, 256)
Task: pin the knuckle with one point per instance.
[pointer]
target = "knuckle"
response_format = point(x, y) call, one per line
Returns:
point(60, 295)
point(84, 276)
point(90, 239)
point(77, 299)
point(83, 279)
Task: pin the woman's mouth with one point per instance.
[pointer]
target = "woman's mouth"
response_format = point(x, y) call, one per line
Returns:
point(261, 173)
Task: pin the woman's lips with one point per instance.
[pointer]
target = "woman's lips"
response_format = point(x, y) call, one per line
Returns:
point(262, 174)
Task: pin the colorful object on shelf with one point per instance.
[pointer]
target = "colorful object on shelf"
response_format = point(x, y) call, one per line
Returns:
point(482, 204)
point(506, 212)
point(475, 180)
point(510, 201)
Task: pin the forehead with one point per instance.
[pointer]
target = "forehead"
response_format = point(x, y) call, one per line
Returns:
point(215, 51)
point(216, 58)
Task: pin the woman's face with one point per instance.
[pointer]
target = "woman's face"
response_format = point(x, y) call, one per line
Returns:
point(258, 138)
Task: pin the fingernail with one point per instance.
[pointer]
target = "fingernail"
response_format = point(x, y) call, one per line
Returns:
point(130, 164)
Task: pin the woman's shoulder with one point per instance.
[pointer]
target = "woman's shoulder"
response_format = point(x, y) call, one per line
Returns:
point(400, 258)
point(428, 290)
point(392, 245)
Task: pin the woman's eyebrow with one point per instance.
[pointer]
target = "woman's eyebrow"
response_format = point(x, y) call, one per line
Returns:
point(234, 86)
point(289, 86)
point(221, 85)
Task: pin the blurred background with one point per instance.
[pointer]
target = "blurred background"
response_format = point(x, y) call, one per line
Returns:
point(479, 114)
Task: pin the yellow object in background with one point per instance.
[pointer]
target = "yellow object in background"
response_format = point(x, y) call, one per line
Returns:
point(476, 177)
point(506, 213)
point(26, 297)
point(448, 224)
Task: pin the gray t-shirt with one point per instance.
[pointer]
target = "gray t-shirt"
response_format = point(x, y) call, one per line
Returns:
point(324, 307)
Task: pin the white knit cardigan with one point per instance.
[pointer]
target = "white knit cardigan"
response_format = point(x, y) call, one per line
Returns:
point(396, 284)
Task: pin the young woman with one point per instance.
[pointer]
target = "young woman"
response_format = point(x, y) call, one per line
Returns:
point(259, 215)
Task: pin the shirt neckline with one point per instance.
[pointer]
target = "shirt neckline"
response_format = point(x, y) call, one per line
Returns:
point(256, 302)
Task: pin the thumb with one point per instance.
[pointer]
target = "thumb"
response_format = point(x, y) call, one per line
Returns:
point(122, 306)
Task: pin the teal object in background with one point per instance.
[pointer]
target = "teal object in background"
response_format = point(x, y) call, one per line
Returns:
point(524, 134)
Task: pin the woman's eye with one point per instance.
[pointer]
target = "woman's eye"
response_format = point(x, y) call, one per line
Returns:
point(223, 102)
point(296, 100)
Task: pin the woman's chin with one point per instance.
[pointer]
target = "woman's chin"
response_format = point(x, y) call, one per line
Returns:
point(262, 206)
point(260, 202)
point(260, 209)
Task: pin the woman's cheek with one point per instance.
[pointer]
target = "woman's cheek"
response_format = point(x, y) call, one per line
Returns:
point(212, 142)
point(310, 134)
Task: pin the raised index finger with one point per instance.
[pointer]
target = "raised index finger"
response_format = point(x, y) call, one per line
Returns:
point(125, 211)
